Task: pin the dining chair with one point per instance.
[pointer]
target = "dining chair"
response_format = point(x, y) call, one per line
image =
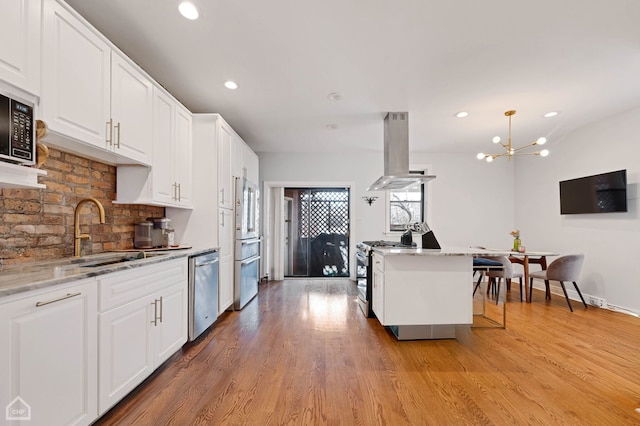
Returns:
point(564, 268)
point(507, 272)
point(481, 265)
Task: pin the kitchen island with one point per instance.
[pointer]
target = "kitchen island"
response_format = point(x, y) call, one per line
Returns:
point(422, 293)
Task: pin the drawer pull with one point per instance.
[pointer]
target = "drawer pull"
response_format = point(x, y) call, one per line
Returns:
point(155, 312)
point(68, 296)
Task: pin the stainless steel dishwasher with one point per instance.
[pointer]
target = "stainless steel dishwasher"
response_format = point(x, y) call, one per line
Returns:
point(203, 292)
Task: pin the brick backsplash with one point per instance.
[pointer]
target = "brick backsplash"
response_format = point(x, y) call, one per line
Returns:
point(38, 223)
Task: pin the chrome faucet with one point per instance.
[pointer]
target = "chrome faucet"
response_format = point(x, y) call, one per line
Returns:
point(77, 236)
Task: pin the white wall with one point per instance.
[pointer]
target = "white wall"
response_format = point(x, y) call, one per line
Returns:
point(609, 240)
point(471, 201)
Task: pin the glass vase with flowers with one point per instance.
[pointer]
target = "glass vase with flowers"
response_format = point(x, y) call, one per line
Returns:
point(516, 239)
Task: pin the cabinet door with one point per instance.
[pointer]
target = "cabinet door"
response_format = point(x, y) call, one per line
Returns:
point(182, 155)
point(75, 78)
point(20, 49)
point(237, 156)
point(126, 349)
point(378, 295)
point(251, 165)
point(48, 355)
point(226, 239)
point(162, 171)
point(131, 110)
point(225, 178)
point(170, 332)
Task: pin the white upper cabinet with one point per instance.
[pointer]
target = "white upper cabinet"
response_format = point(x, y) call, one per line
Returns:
point(163, 168)
point(131, 110)
point(225, 157)
point(182, 149)
point(245, 161)
point(250, 165)
point(76, 77)
point(94, 101)
point(168, 182)
point(20, 26)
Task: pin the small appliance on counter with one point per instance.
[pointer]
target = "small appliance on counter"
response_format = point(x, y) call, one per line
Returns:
point(162, 233)
point(154, 232)
point(429, 240)
point(142, 238)
point(407, 238)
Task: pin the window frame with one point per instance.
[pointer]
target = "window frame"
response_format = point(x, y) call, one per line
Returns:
point(425, 204)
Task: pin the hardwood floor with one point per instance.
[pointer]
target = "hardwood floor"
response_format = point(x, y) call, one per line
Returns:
point(302, 353)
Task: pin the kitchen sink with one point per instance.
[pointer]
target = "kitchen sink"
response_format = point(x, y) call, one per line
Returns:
point(84, 264)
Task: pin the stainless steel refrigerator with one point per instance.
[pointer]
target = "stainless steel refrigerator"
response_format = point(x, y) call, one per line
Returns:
point(247, 250)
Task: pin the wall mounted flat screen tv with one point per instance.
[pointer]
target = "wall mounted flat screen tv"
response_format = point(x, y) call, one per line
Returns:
point(603, 193)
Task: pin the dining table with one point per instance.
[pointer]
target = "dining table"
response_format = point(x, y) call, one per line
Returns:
point(527, 258)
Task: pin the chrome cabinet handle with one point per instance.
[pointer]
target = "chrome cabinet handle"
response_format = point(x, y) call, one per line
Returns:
point(222, 214)
point(222, 192)
point(67, 296)
point(179, 192)
point(161, 305)
point(110, 129)
point(117, 127)
point(155, 312)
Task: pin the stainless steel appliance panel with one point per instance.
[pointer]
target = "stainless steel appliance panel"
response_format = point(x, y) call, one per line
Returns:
point(246, 209)
point(247, 248)
point(203, 292)
point(246, 283)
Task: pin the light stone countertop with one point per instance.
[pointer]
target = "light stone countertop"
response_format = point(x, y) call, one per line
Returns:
point(41, 274)
point(445, 251)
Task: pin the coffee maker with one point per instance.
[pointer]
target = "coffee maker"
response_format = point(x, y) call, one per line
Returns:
point(162, 233)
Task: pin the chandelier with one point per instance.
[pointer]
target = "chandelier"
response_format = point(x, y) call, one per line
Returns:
point(510, 151)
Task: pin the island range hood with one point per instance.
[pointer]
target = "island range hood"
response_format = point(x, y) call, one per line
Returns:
point(396, 156)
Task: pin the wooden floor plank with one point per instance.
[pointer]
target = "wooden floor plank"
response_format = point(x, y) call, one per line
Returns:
point(302, 353)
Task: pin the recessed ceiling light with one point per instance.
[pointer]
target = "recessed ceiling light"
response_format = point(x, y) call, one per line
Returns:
point(334, 96)
point(188, 10)
point(231, 85)
point(462, 114)
point(332, 126)
point(551, 114)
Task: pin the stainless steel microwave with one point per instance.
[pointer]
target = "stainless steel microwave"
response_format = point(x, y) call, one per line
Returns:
point(17, 131)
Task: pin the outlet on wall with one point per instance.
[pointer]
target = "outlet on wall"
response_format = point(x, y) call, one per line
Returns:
point(597, 301)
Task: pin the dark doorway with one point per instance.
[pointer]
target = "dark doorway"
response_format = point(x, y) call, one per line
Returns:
point(319, 240)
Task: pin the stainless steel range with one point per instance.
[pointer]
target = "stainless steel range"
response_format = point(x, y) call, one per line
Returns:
point(365, 274)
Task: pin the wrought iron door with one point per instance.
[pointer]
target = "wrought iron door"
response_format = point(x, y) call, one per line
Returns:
point(321, 246)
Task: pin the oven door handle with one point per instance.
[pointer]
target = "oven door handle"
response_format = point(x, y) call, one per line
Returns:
point(253, 241)
point(250, 260)
point(211, 262)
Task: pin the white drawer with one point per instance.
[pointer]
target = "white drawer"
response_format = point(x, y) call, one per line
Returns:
point(126, 286)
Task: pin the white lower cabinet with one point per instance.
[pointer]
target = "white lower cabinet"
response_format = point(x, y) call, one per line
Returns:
point(227, 239)
point(48, 356)
point(378, 287)
point(142, 322)
point(126, 357)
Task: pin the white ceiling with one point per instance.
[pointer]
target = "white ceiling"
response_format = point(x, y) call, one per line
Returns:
point(431, 58)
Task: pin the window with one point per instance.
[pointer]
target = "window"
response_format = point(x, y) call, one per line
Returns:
point(405, 206)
